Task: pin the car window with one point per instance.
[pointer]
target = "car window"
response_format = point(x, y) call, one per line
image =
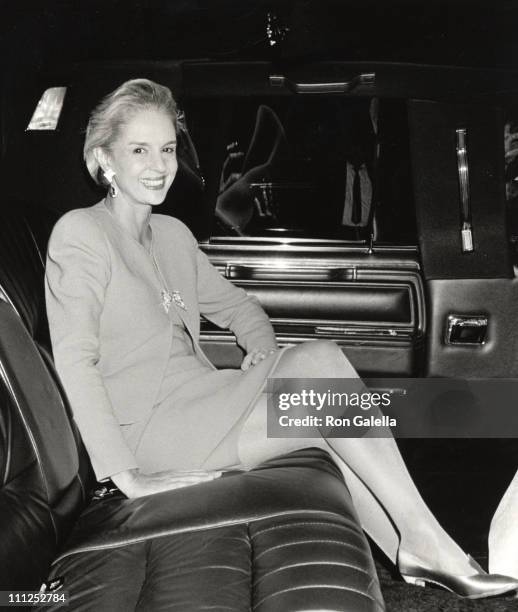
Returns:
point(305, 166)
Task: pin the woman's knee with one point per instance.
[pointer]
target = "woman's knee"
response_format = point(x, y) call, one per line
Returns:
point(318, 358)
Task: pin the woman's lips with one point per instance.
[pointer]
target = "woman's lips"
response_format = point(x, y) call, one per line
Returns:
point(154, 184)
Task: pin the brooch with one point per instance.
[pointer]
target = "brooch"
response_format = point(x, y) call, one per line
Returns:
point(178, 300)
point(167, 298)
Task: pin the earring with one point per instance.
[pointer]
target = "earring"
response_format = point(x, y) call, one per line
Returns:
point(108, 175)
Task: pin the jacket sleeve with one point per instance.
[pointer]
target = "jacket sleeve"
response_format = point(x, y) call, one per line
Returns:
point(230, 307)
point(77, 274)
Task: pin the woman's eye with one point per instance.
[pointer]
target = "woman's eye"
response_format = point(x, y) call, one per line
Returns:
point(138, 150)
point(169, 149)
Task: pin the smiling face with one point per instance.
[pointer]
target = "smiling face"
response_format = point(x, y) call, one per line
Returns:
point(143, 157)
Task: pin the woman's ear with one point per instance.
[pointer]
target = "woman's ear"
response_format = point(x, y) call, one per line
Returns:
point(102, 159)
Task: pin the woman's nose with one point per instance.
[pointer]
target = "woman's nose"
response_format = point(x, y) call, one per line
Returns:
point(158, 162)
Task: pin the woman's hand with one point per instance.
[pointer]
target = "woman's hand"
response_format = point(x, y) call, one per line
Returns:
point(256, 356)
point(135, 484)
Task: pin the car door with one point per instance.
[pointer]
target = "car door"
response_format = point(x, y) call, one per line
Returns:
point(470, 284)
point(307, 214)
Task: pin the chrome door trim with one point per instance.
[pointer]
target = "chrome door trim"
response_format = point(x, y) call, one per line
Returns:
point(286, 339)
point(317, 244)
point(225, 264)
point(466, 229)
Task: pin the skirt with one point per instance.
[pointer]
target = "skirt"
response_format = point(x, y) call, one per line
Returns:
point(199, 413)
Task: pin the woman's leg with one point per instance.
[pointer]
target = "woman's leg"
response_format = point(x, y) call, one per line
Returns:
point(375, 461)
point(373, 518)
point(503, 534)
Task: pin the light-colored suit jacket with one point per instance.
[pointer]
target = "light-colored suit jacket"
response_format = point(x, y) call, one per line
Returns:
point(111, 336)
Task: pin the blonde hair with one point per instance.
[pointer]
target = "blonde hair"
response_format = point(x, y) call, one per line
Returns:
point(116, 109)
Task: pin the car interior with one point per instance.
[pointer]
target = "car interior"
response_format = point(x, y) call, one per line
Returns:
point(369, 203)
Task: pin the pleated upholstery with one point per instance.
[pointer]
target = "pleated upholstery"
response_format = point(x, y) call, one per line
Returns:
point(283, 537)
point(297, 563)
point(301, 563)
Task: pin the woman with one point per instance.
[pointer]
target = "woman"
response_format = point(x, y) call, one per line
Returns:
point(125, 289)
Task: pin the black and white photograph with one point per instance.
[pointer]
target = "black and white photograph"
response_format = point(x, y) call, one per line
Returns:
point(259, 305)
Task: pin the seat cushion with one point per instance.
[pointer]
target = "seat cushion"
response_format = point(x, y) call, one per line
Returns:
point(283, 536)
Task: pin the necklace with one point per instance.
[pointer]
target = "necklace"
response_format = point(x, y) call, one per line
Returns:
point(168, 297)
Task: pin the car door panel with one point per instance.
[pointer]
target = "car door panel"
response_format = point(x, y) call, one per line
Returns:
point(375, 314)
point(494, 299)
point(464, 283)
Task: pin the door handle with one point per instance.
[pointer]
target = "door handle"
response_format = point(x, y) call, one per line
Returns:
point(466, 330)
point(466, 230)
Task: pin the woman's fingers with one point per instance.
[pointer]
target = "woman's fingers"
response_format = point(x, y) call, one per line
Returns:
point(247, 361)
point(197, 476)
point(255, 357)
point(258, 356)
point(158, 482)
point(182, 479)
point(187, 480)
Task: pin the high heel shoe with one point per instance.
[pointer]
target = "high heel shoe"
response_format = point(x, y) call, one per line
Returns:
point(478, 585)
